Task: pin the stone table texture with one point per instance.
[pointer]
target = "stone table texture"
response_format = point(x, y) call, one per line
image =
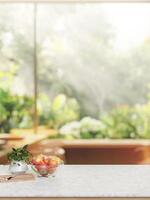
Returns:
point(84, 181)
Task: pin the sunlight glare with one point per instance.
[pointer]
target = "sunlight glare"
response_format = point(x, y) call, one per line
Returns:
point(131, 22)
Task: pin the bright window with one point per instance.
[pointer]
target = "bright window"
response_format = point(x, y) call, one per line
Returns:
point(92, 66)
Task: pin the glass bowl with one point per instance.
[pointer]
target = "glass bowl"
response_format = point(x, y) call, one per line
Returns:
point(44, 170)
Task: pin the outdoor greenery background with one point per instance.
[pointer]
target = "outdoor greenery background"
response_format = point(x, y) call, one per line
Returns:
point(82, 77)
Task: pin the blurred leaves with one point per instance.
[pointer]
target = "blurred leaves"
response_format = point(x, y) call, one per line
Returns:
point(16, 111)
point(63, 110)
point(122, 122)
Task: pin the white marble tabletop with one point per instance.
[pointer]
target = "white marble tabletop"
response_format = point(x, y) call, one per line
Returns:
point(84, 181)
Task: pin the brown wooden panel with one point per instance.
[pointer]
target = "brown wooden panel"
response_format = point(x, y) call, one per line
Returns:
point(94, 151)
point(105, 156)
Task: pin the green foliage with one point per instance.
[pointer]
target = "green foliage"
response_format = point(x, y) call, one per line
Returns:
point(44, 108)
point(19, 154)
point(118, 123)
point(121, 122)
point(141, 120)
point(16, 111)
point(128, 122)
point(63, 110)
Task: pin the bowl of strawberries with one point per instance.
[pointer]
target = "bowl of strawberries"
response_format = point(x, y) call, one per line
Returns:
point(45, 165)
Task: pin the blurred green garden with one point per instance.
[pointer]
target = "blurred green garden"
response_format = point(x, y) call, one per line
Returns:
point(93, 69)
point(64, 115)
